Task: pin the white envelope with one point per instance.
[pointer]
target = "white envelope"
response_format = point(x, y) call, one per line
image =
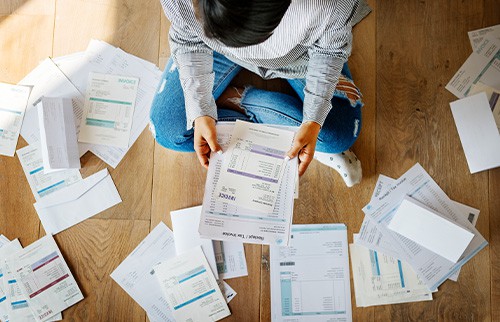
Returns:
point(73, 204)
point(430, 229)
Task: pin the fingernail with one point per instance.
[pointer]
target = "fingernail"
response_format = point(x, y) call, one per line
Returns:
point(219, 152)
point(287, 158)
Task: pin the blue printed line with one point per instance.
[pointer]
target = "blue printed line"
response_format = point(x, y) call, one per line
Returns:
point(1, 275)
point(95, 99)
point(191, 276)
point(12, 282)
point(401, 274)
point(36, 170)
point(101, 123)
point(194, 299)
point(320, 228)
point(3, 299)
point(376, 263)
point(50, 187)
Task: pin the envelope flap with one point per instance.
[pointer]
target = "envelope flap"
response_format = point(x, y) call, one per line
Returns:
point(73, 191)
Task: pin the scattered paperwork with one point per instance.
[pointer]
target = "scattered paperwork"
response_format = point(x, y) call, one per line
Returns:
point(58, 134)
point(477, 36)
point(310, 277)
point(41, 183)
point(478, 132)
point(223, 221)
point(13, 102)
point(190, 288)
point(73, 204)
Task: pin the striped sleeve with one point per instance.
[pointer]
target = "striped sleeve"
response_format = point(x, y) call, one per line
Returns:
point(326, 58)
point(194, 60)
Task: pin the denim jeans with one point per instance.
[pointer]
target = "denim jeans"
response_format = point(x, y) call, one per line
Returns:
point(168, 117)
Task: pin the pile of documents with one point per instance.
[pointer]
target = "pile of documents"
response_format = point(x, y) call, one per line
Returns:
point(35, 282)
point(310, 277)
point(413, 238)
point(477, 113)
point(179, 275)
point(250, 187)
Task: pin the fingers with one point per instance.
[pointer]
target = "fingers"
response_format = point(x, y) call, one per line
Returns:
point(294, 151)
point(305, 158)
point(202, 151)
point(211, 139)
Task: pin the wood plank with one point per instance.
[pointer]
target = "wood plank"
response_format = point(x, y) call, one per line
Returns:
point(17, 215)
point(93, 249)
point(420, 46)
point(133, 26)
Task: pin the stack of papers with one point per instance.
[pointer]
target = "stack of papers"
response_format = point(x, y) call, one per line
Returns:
point(35, 282)
point(68, 77)
point(477, 113)
point(143, 276)
point(258, 185)
point(400, 254)
point(310, 278)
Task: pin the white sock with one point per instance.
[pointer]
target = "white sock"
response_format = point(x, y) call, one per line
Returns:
point(345, 163)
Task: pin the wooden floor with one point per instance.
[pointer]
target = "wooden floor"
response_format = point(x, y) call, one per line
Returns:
point(404, 54)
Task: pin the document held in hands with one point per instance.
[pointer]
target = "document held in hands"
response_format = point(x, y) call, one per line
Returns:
point(44, 278)
point(429, 229)
point(58, 134)
point(254, 166)
point(108, 111)
point(191, 289)
point(478, 132)
point(13, 102)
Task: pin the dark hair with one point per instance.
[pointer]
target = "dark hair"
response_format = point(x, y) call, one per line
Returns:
point(239, 23)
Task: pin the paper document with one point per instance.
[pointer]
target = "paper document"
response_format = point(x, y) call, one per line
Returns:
point(223, 221)
point(310, 277)
point(493, 96)
point(13, 102)
point(137, 276)
point(5, 288)
point(47, 80)
point(429, 229)
point(431, 268)
point(191, 289)
point(43, 184)
point(185, 224)
point(478, 132)
point(230, 258)
point(477, 36)
point(58, 134)
point(380, 279)
point(82, 200)
point(109, 108)
point(482, 66)
point(254, 165)
point(44, 278)
point(226, 290)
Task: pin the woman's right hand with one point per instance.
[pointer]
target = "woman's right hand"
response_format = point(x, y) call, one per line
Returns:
point(205, 139)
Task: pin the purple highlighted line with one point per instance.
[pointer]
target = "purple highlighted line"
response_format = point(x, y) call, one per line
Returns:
point(270, 152)
point(253, 176)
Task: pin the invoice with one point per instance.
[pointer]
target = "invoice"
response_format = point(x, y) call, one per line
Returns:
point(13, 102)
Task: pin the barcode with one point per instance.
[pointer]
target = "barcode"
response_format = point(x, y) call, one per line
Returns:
point(287, 264)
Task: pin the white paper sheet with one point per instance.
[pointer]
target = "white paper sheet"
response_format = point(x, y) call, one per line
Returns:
point(13, 102)
point(44, 278)
point(58, 134)
point(101, 57)
point(5, 251)
point(137, 276)
point(73, 204)
point(380, 279)
point(310, 278)
point(429, 229)
point(109, 108)
point(223, 221)
point(230, 258)
point(185, 224)
point(483, 65)
point(431, 268)
point(253, 166)
point(478, 132)
point(43, 184)
point(477, 36)
point(226, 290)
point(191, 289)
point(493, 96)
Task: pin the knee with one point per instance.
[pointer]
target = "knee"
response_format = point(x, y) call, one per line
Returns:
point(339, 138)
point(168, 131)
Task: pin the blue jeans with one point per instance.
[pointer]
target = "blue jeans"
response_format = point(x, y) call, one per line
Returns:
point(168, 117)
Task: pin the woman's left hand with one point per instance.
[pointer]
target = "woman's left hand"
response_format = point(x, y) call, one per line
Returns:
point(304, 145)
